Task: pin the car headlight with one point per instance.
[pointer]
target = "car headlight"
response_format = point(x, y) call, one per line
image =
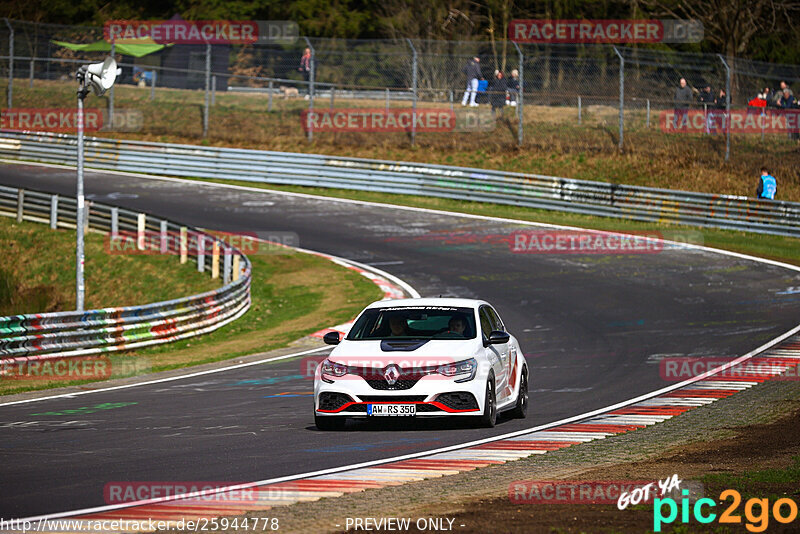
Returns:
point(466, 367)
point(334, 369)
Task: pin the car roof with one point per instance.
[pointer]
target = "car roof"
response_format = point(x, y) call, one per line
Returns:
point(439, 301)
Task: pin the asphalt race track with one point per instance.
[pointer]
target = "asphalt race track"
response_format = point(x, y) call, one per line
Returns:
point(593, 328)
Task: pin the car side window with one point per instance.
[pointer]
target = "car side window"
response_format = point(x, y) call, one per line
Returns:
point(486, 323)
point(497, 324)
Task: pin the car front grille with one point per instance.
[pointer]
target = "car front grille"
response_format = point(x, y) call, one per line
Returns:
point(392, 398)
point(383, 385)
point(458, 400)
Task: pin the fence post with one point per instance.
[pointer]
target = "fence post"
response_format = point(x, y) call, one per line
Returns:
point(30, 74)
point(213, 89)
point(727, 108)
point(520, 115)
point(414, 91)
point(311, 77)
point(184, 246)
point(114, 222)
point(153, 85)
point(208, 83)
point(226, 266)
point(215, 259)
point(20, 204)
point(621, 99)
point(580, 110)
point(201, 252)
point(387, 100)
point(10, 95)
point(141, 222)
point(333, 92)
point(54, 212)
point(163, 228)
point(451, 100)
point(269, 97)
point(648, 113)
point(235, 273)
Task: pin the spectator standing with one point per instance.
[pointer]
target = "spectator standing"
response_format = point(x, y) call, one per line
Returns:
point(706, 98)
point(719, 117)
point(472, 70)
point(513, 87)
point(683, 99)
point(497, 92)
point(767, 186)
point(305, 69)
point(787, 103)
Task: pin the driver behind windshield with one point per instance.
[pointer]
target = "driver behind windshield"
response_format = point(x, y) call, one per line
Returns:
point(398, 326)
point(457, 325)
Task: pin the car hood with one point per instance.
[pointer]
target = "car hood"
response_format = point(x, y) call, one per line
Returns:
point(369, 353)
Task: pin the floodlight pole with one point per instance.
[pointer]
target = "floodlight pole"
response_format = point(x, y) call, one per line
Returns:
point(80, 288)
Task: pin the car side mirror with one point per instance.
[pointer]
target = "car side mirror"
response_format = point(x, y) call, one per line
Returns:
point(498, 337)
point(331, 338)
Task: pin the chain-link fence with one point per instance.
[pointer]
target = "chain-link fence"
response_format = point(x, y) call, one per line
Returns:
point(598, 95)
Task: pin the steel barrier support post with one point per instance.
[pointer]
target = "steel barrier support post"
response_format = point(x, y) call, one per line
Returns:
point(226, 266)
point(214, 90)
point(201, 253)
point(269, 97)
point(141, 222)
point(311, 79)
point(163, 228)
point(579, 110)
point(184, 246)
point(215, 259)
point(621, 99)
point(153, 85)
point(10, 94)
point(727, 108)
point(235, 274)
point(520, 115)
point(414, 91)
point(54, 212)
point(114, 222)
point(20, 204)
point(208, 83)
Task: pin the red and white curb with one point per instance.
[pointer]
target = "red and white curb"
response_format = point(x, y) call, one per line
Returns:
point(766, 365)
point(391, 290)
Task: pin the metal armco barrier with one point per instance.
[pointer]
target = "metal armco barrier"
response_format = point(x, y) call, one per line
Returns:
point(63, 334)
point(517, 189)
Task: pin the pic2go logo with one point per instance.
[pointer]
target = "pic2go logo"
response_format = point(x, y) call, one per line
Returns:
point(756, 521)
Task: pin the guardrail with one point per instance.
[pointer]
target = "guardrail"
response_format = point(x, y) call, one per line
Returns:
point(72, 333)
point(517, 189)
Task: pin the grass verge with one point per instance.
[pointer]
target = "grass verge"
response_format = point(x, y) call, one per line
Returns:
point(293, 294)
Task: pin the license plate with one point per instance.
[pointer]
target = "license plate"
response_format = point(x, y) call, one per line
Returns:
point(391, 409)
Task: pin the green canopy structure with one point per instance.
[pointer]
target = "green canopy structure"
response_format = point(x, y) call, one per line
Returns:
point(146, 47)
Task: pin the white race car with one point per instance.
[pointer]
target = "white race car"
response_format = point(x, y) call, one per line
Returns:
point(419, 358)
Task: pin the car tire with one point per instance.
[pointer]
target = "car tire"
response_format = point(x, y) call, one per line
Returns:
point(521, 409)
point(329, 423)
point(489, 417)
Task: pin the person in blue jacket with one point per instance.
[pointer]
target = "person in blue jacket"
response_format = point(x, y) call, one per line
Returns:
point(767, 186)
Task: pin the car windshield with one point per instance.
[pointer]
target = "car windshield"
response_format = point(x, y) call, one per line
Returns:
point(417, 322)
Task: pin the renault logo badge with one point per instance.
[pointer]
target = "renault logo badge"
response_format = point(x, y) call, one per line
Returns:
point(391, 374)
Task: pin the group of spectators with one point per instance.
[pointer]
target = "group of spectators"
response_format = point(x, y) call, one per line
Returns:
point(781, 98)
point(500, 90)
